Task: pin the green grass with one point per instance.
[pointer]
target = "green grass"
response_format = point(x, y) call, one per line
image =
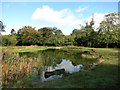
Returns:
point(31, 49)
point(25, 48)
point(104, 75)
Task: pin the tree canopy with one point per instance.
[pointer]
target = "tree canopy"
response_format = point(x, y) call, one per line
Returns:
point(105, 36)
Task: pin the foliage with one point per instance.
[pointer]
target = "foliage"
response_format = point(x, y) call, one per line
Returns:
point(100, 77)
point(16, 69)
point(105, 36)
point(2, 27)
point(9, 40)
point(108, 30)
point(23, 69)
point(28, 36)
point(13, 32)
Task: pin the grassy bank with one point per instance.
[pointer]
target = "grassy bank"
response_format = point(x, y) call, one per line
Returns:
point(29, 48)
point(104, 75)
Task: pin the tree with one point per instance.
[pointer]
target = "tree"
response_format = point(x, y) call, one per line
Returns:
point(109, 28)
point(89, 32)
point(46, 33)
point(69, 40)
point(13, 32)
point(76, 33)
point(58, 32)
point(2, 27)
point(84, 36)
point(5, 40)
point(8, 40)
point(28, 36)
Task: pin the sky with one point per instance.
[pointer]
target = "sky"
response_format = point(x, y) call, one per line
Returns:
point(66, 16)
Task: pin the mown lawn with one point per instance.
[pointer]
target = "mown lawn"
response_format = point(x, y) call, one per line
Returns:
point(31, 49)
point(25, 48)
point(28, 48)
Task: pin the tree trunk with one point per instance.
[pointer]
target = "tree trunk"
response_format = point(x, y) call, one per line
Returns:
point(90, 44)
point(107, 45)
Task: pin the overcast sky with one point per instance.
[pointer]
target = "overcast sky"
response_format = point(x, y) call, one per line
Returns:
point(63, 15)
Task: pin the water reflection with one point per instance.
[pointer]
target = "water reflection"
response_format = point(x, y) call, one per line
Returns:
point(68, 66)
point(20, 69)
point(65, 66)
point(52, 64)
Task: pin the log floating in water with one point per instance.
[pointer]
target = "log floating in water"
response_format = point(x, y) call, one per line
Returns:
point(56, 72)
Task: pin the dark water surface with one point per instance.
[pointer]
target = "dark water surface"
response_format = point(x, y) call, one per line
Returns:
point(53, 61)
point(32, 68)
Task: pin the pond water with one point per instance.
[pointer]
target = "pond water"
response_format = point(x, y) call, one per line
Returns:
point(52, 61)
point(65, 66)
point(31, 68)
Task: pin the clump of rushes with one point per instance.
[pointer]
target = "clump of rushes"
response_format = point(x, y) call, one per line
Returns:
point(15, 68)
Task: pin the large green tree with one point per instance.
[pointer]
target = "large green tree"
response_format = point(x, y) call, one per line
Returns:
point(105, 36)
point(46, 33)
point(84, 36)
point(109, 29)
point(28, 36)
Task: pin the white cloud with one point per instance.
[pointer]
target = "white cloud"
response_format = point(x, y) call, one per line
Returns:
point(60, 18)
point(65, 19)
point(9, 28)
point(81, 9)
point(98, 17)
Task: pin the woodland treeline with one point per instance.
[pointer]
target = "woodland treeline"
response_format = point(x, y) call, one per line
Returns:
point(106, 35)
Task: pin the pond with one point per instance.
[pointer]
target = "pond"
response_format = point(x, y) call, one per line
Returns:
point(46, 65)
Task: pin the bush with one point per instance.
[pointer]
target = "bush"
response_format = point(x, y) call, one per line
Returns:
point(9, 40)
